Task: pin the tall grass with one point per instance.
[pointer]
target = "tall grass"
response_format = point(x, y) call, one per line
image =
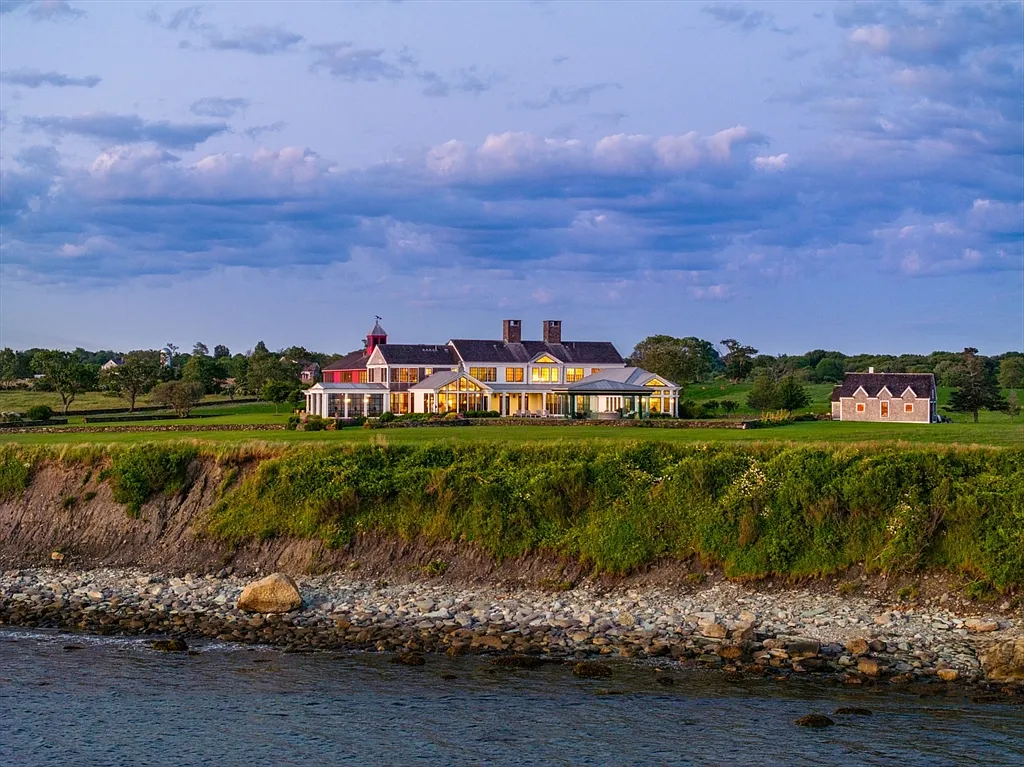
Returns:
point(754, 510)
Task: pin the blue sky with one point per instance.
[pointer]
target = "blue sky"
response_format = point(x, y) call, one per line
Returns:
point(796, 175)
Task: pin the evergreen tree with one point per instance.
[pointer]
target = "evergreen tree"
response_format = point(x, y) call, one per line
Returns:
point(978, 388)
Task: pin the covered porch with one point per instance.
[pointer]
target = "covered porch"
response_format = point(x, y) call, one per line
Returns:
point(346, 400)
point(605, 399)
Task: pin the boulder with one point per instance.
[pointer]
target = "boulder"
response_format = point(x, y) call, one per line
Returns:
point(803, 648)
point(170, 645)
point(814, 720)
point(277, 593)
point(714, 631)
point(1004, 661)
point(857, 647)
point(591, 670)
point(980, 625)
point(869, 667)
point(947, 674)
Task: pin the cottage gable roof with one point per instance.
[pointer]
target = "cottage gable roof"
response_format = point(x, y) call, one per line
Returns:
point(428, 355)
point(353, 361)
point(569, 352)
point(921, 384)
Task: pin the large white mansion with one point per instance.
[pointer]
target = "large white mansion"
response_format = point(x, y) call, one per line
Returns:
point(547, 378)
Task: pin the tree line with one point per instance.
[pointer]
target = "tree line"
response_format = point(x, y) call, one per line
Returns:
point(178, 380)
point(778, 381)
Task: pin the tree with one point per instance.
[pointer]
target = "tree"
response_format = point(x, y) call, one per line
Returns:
point(764, 394)
point(8, 367)
point(277, 392)
point(681, 360)
point(180, 396)
point(1013, 405)
point(729, 406)
point(791, 395)
point(64, 374)
point(978, 387)
point(220, 351)
point(266, 368)
point(135, 377)
point(261, 349)
point(1011, 372)
point(199, 349)
point(203, 370)
point(829, 369)
point(739, 359)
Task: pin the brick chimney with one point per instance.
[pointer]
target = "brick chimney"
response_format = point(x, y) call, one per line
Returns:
point(512, 331)
point(552, 331)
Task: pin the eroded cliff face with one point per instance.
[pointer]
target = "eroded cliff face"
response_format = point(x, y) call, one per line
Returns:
point(70, 511)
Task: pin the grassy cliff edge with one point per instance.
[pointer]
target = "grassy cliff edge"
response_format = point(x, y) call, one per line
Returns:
point(754, 510)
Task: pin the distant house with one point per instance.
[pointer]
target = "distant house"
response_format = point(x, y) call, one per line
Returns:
point(885, 397)
point(310, 373)
point(116, 362)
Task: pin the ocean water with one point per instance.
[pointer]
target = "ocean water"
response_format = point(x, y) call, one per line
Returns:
point(118, 702)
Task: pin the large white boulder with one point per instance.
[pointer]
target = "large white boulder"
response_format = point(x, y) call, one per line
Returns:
point(277, 593)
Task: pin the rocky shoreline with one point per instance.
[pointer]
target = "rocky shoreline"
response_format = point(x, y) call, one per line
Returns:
point(846, 640)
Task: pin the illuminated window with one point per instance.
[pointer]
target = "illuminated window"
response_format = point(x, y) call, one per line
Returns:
point(655, 382)
point(885, 409)
point(545, 360)
point(544, 375)
point(406, 375)
point(573, 374)
point(514, 375)
point(484, 374)
point(461, 384)
point(908, 407)
point(860, 407)
point(594, 370)
point(428, 372)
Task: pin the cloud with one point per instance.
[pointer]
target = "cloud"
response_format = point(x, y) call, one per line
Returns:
point(735, 15)
point(346, 62)
point(34, 78)
point(127, 129)
point(256, 131)
point(258, 40)
point(568, 96)
point(218, 106)
point(44, 10)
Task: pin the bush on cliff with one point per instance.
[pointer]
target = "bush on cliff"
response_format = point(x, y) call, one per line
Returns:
point(15, 472)
point(755, 510)
point(139, 473)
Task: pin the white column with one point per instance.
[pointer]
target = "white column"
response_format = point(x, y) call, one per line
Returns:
point(366, 405)
point(345, 406)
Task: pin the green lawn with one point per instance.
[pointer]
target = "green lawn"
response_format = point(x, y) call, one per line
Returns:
point(994, 434)
point(19, 400)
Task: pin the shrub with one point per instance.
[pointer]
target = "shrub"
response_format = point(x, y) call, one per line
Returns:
point(140, 472)
point(39, 413)
point(292, 423)
point(15, 472)
point(314, 423)
point(730, 406)
point(711, 407)
point(452, 416)
point(689, 409)
point(386, 417)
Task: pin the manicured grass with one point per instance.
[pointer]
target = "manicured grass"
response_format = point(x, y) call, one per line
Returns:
point(19, 400)
point(820, 432)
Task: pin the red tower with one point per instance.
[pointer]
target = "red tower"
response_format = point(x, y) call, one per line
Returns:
point(376, 336)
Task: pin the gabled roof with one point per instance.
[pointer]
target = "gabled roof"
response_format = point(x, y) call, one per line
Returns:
point(437, 380)
point(429, 355)
point(353, 361)
point(921, 384)
point(570, 352)
point(624, 380)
